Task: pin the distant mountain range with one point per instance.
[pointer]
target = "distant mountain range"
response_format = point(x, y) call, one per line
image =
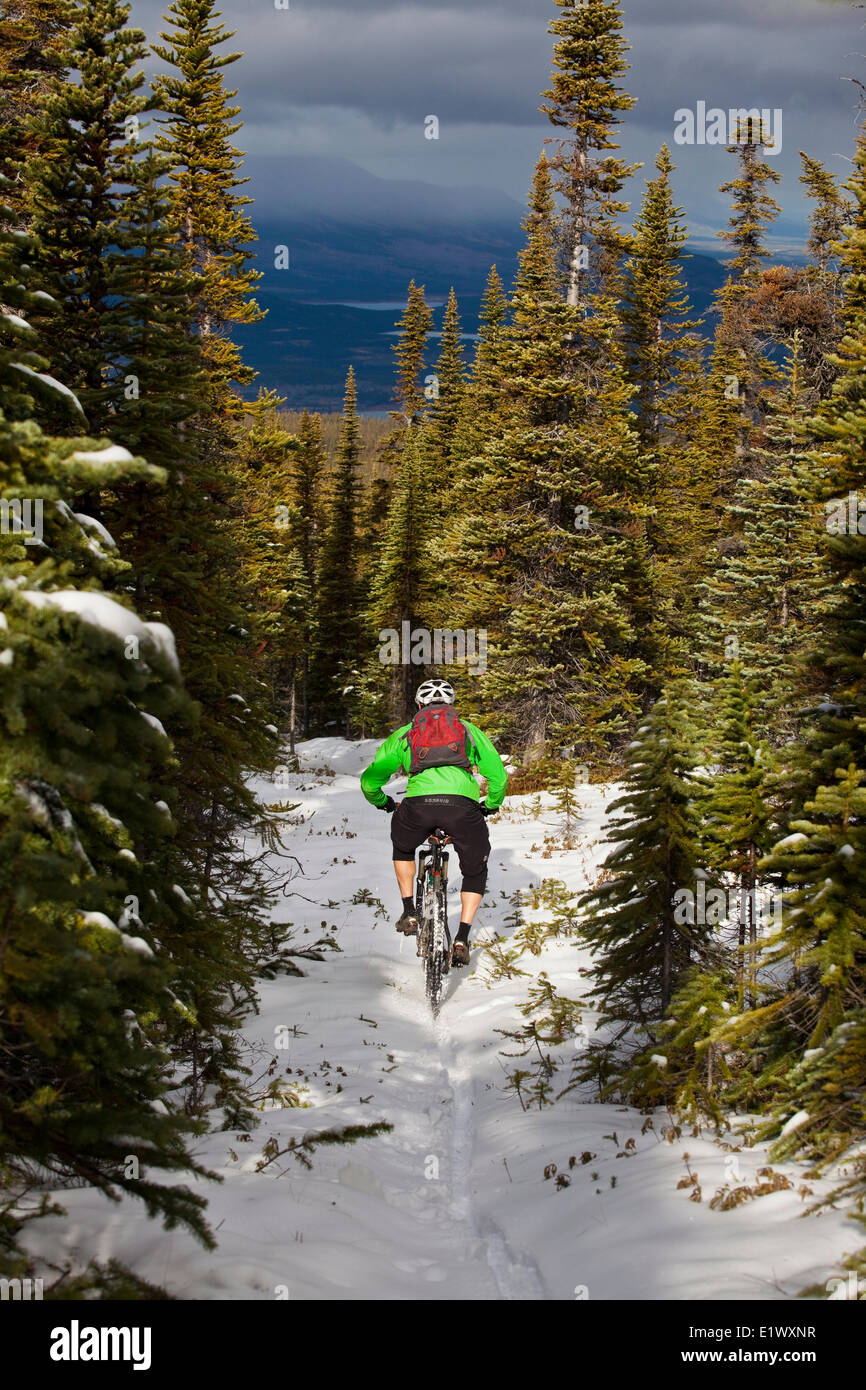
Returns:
point(353, 242)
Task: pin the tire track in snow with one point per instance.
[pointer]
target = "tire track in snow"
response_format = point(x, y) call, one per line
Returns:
point(517, 1276)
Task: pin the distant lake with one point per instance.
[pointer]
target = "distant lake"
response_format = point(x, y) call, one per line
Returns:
point(381, 304)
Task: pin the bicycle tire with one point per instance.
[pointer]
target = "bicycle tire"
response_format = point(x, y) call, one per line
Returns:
point(431, 906)
point(424, 909)
point(437, 954)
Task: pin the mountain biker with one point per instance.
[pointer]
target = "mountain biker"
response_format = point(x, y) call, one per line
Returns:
point(441, 793)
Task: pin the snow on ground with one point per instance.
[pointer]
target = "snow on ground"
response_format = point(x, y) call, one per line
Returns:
point(453, 1202)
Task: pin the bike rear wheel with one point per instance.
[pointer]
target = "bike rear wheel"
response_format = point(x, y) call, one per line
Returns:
point(435, 944)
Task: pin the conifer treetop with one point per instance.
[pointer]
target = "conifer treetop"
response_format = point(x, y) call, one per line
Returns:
point(586, 100)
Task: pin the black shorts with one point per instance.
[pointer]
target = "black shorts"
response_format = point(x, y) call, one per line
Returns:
point(461, 817)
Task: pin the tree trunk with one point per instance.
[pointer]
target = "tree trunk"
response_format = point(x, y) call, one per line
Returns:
point(305, 700)
point(292, 707)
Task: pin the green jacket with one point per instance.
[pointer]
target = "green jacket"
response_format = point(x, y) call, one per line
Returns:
point(393, 756)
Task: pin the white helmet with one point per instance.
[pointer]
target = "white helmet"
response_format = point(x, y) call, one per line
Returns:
point(434, 693)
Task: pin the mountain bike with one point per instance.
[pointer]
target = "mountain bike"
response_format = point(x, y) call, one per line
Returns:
point(431, 907)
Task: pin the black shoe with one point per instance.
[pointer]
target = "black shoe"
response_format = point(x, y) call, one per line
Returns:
point(408, 924)
point(460, 954)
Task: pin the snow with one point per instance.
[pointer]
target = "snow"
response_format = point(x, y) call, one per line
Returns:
point(453, 1203)
point(103, 612)
point(17, 321)
point(164, 639)
point(659, 1060)
point(798, 839)
point(7, 656)
point(36, 795)
point(132, 943)
point(112, 453)
point(97, 919)
point(795, 1122)
point(184, 897)
point(136, 943)
point(154, 723)
point(50, 382)
point(847, 851)
point(90, 523)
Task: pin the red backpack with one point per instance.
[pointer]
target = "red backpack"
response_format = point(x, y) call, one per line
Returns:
point(437, 738)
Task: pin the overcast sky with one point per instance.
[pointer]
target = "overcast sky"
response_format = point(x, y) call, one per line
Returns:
point(356, 78)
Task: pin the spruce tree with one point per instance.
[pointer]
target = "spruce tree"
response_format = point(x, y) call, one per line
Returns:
point(492, 320)
point(275, 565)
point(450, 385)
point(830, 213)
point(25, 385)
point(160, 370)
point(661, 344)
point(643, 945)
point(663, 358)
point(686, 1069)
point(412, 392)
point(207, 212)
point(189, 547)
point(546, 535)
point(752, 208)
point(81, 183)
point(402, 585)
point(765, 597)
point(806, 1039)
point(309, 462)
point(738, 813)
point(586, 102)
point(837, 661)
point(308, 465)
point(414, 324)
point(748, 368)
point(481, 395)
point(338, 621)
point(95, 947)
point(32, 34)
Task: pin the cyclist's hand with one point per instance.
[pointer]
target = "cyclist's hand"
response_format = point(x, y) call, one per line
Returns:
point(390, 805)
point(488, 810)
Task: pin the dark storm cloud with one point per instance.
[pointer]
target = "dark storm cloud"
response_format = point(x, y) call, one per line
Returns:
point(487, 59)
point(357, 77)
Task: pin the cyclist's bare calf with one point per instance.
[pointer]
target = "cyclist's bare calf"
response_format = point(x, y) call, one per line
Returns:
point(405, 871)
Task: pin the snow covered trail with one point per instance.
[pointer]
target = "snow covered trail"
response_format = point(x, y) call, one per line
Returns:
point(460, 1199)
point(517, 1276)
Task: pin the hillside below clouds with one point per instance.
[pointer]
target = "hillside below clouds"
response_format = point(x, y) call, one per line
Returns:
point(354, 241)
